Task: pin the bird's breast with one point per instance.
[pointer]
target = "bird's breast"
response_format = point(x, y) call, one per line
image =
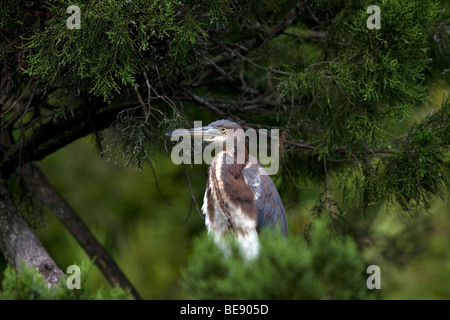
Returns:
point(228, 203)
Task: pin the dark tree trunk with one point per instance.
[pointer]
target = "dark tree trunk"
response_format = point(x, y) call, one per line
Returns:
point(18, 242)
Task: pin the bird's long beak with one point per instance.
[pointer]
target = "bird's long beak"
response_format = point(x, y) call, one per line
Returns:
point(208, 133)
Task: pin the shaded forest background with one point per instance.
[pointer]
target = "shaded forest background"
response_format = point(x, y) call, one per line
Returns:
point(139, 205)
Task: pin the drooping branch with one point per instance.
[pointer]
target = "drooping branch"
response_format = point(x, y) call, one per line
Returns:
point(206, 104)
point(45, 192)
point(250, 61)
point(56, 134)
point(18, 242)
point(287, 20)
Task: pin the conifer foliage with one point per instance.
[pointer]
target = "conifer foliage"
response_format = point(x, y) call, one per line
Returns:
point(324, 267)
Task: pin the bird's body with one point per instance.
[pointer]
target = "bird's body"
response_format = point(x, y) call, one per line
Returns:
point(229, 205)
point(240, 197)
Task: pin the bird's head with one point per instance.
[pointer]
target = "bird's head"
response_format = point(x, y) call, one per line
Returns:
point(217, 132)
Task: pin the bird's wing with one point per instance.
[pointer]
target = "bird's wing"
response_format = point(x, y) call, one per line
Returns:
point(268, 202)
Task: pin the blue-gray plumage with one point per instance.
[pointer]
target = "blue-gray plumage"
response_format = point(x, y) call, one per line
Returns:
point(240, 198)
point(270, 208)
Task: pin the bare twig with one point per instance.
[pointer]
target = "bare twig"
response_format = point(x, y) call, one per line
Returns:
point(341, 150)
point(197, 208)
point(287, 20)
point(296, 38)
point(312, 14)
point(15, 102)
point(136, 89)
point(206, 104)
point(157, 186)
point(327, 180)
point(291, 177)
point(250, 61)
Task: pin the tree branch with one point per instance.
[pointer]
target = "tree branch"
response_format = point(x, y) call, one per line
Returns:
point(250, 61)
point(18, 242)
point(288, 19)
point(340, 150)
point(205, 103)
point(54, 135)
point(45, 192)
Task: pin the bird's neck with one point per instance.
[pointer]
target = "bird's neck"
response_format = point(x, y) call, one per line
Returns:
point(238, 152)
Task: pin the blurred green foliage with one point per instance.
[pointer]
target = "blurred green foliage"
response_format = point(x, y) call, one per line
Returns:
point(326, 267)
point(29, 284)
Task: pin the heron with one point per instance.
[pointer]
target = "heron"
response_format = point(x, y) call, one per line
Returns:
point(240, 198)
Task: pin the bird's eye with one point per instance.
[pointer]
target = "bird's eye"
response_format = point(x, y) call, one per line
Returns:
point(223, 130)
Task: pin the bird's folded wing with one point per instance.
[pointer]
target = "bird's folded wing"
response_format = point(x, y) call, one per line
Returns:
point(268, 202)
